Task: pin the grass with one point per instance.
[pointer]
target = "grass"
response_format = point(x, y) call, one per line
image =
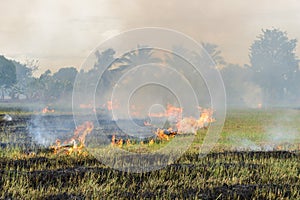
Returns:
point(223, 174)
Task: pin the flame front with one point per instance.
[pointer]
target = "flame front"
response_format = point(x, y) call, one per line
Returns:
point(76, 143)
point(191, 125)
point(110, 105)
point(183, 126)
point(47, 110)
point(171, 112)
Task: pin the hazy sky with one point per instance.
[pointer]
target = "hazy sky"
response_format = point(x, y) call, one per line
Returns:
point(62, 33)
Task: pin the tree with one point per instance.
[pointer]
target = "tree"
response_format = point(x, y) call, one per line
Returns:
point(64, 79)
point(236, 81)
point(190, 64)
point(214, 52)
point(66, 74)
point(113, 67)
point(105, 58)
point(45, 86)
point(141, 55)
point(274, 64)
point(105, 61)
point(7, 75)
point(25, 79)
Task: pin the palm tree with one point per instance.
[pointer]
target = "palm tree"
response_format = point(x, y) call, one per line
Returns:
point(214, 53)
point(142, 55)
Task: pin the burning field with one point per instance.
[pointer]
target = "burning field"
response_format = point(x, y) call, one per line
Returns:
point(256, 157)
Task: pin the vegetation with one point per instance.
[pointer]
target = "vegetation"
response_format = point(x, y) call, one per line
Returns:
point(273, 57)
point(271, 78)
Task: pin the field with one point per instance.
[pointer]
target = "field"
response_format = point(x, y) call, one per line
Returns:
point(256, 157)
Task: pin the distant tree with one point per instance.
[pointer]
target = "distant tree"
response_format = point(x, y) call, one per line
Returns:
point(177, 58)
point(7, 75)
point(113, 67)
point(64, 79)
point(46, 87)
point(214, 52)
point(66, 74)
point(25, 79)
point(234, 78)
point(274, 64)
point(190, 65)
point(104, 59)
point(142, 55)
point(104, 63)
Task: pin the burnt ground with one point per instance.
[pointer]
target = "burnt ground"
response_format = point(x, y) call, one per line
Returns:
point(35, 132)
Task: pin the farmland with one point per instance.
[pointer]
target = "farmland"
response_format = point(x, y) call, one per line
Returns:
point(256, 157)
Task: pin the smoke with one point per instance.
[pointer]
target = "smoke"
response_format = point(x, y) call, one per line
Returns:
point(60, 33)
point(240, 143)
point(253, 96)
point(232, 25)
point(283, 129)
point(45, 129)
point(281, 133)
point(57, 33)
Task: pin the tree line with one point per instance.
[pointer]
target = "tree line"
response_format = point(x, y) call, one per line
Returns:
point(271, 77)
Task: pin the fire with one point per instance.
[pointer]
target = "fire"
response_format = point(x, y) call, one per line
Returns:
point(134, 111)
point(88, 106)
point(118, 142)
point(85, 106)
point(128, 143)
point(151, 142)
point(259, 105)
point(205, 118)
point(47, 110)
point(76, 143)
point(191, 125)
point(172, 111)
point(146, 123)
point(165, 134)
point(113, 140)
point(183, 126)
point(112, 105)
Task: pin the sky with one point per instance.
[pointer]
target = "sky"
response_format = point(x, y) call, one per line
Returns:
point(62, 33)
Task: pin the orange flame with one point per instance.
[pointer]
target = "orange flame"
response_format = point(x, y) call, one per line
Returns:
point(185, 125)
point(84, 106)
point(191, 125)
point(163, 134)
point(128, 143)
point(151, 142)
point(147, 123)
point(47, 110)
point(134, 111)
point(71, 146)
point(113, 140)
point(112, 105)
point(259, 105)
point(119, 142)
point(171, 111)
point(205, 118)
